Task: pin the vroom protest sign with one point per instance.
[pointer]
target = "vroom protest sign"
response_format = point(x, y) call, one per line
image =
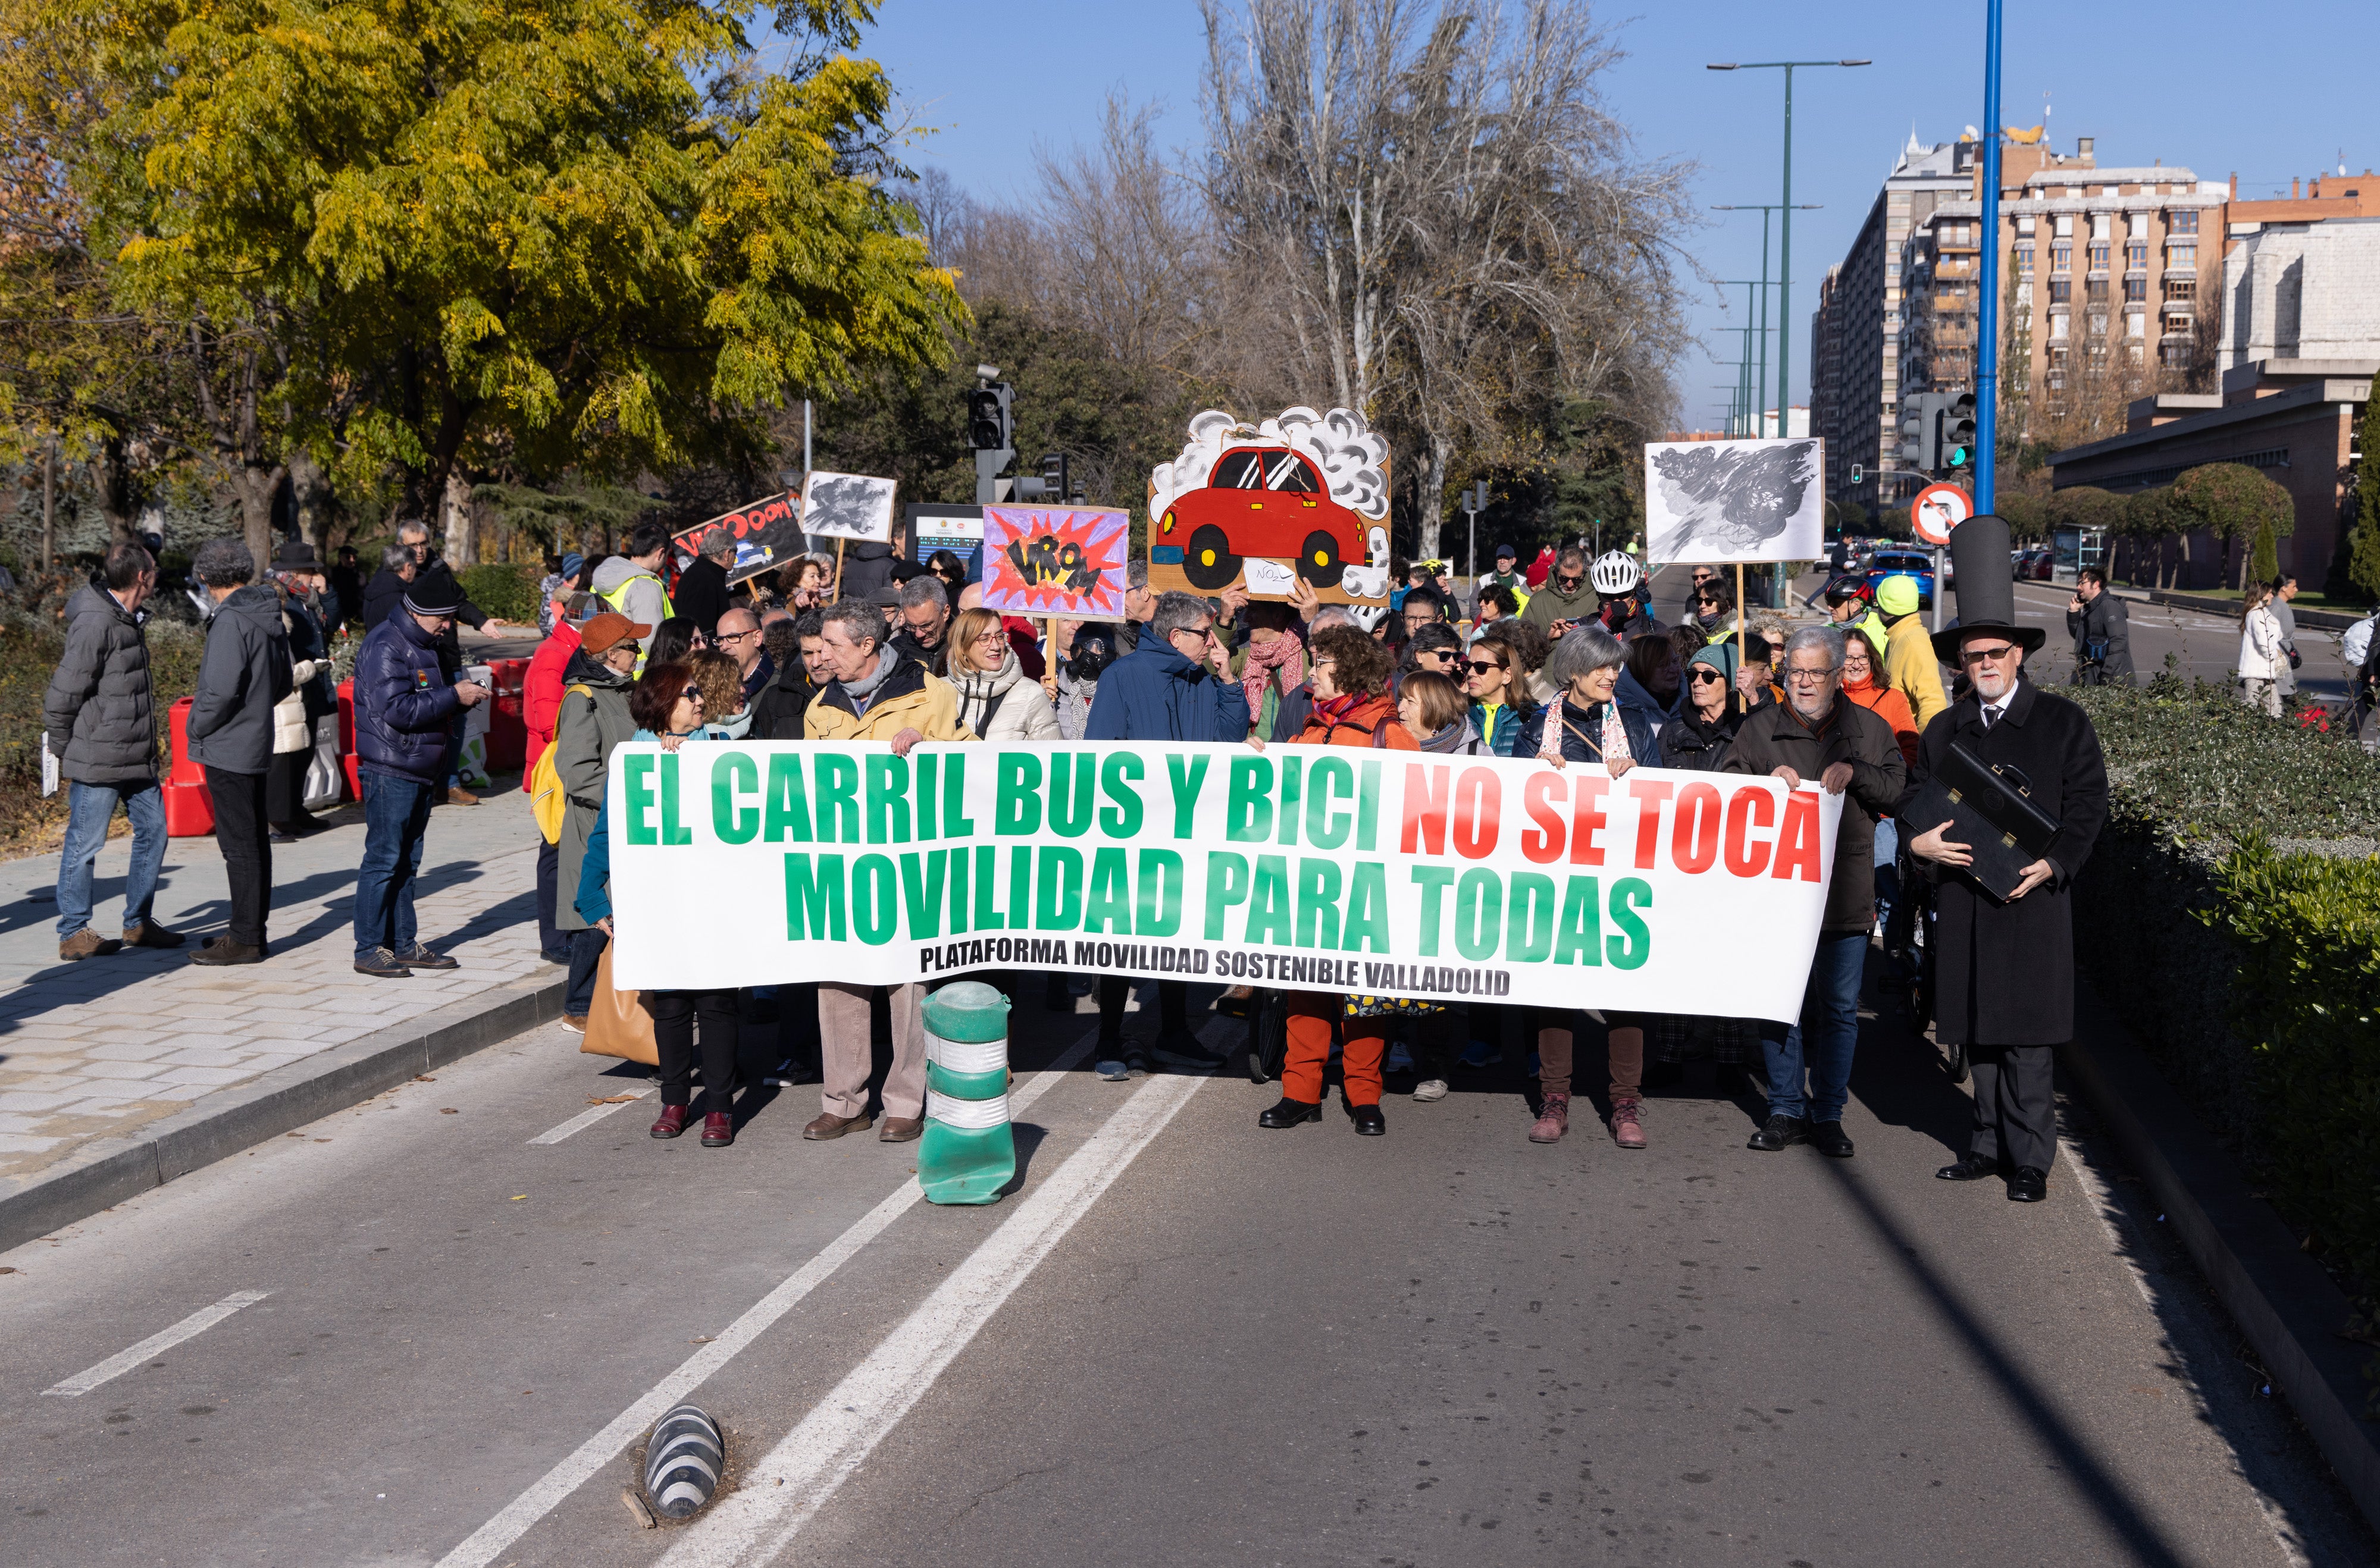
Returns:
point(1316, 868)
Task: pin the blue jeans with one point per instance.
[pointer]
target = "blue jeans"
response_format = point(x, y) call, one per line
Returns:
point(396, 817)
point(1829, 1031)
point(90, 808)
point(1888, 870)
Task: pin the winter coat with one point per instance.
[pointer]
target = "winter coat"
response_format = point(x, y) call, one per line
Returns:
point(1153, 694)
point(866, 566)
point(1774, 736)
point(1002, 704)
point(1289, 716)
point(383, 595)
point(636, 593)
point(936, 660)
point(591, 723)
point(2104, 620)
point(1893, 709)
point(910, 698)
point(1500, 726)
point(1911, 669)
point(308, 623)
point(292, 731)
point(243, 673)
point(404, 703)
point(1698, 745)
point(1640, 714)
point(2004, 974)
point(99, 707)
point(701, 595)
point(1372, 723)
point(1075, 699)
point(782, 707)
point(2260, 646)
point(1549, 604)
point(541, 695)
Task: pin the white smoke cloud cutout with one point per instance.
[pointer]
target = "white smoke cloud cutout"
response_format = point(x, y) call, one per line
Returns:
point(1351, 458)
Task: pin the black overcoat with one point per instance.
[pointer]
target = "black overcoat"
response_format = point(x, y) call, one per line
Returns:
point(2004, 974)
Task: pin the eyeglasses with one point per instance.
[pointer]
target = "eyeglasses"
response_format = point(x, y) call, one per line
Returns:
point(732, 636)
point(1985, 656)
point(1702, 673)
point(1485, 667)
point(995, 635)
point(1808, 676)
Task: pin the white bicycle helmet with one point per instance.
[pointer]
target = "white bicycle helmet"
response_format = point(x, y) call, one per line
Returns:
point(1616, 574)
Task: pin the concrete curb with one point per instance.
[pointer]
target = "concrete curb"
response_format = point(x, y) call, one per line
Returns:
point(2284, 1303)
point(113, 1169)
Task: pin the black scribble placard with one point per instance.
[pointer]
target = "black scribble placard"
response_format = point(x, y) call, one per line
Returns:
point(1718, 501)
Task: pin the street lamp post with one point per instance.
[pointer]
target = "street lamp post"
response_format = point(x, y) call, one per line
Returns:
point(1785, 239)
point(1748, 391)
point(1759, 422)
point(1988, 351)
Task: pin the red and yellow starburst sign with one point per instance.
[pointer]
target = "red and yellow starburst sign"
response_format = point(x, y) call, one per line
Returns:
point(1066, 560)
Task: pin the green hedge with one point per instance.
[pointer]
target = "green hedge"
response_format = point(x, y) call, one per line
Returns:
point(505, 591)
point(2231, 911)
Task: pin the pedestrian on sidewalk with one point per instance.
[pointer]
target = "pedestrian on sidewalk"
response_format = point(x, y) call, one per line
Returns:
point(2004, 980)
point(630, 583)
point(875, 694)
point(243, 673)
point(384, 594)
point(540, 712)
point(2102, 630)
point(405, 722)
point(298, 577)
point(2285, 668)
point(100, 714)
point(2260, 651)
point(1818, 738)
point(1349, 677)
point(594, 718)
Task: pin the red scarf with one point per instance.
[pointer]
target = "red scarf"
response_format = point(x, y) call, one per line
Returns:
point(1333, 711)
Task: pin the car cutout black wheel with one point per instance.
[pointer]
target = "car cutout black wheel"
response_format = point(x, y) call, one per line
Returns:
point(1208, 561)
point(1319, 562)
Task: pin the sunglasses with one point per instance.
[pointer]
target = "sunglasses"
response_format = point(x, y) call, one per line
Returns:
point(1485, 667)
point(1982, 655)
point(1704, 673)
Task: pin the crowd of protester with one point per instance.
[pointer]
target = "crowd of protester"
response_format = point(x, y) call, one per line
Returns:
point(1564, 663)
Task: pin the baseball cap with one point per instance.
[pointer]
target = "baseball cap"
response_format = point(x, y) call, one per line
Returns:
point(609, 630)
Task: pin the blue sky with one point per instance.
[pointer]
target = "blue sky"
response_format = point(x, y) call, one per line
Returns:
point(2178, 81)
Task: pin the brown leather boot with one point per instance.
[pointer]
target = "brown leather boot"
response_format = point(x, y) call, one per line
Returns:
point(900, 1129)
point(1553, 1120)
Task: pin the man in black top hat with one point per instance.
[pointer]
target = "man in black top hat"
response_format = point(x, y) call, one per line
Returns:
point(2004, 975)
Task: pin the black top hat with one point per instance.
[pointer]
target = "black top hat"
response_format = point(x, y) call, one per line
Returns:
point(295, 555)
point(1979, 554)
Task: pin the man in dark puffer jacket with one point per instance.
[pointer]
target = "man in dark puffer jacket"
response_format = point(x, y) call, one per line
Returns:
point(405, 711)
point(102, 728)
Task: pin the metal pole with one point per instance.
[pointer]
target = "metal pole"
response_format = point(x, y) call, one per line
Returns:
point(806, 442)
point(1987, 349)
point(1784, 262)
point(1759, 419)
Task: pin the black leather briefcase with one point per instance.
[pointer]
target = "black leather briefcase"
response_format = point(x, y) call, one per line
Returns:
point(1991, 811)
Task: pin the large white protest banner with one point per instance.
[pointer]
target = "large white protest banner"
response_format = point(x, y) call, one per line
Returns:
point(1332, 868)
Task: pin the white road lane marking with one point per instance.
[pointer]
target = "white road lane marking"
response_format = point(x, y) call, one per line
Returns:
point(485, 1543)
point(787, 1487)
point(584, 1119)
point(157, 1343)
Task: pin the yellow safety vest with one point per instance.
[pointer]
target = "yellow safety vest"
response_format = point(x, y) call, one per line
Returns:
point(618, 600)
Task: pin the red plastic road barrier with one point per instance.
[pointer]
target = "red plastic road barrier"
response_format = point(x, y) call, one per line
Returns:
point(189, 810)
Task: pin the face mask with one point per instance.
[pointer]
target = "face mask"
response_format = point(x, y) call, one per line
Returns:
point(1088, 660)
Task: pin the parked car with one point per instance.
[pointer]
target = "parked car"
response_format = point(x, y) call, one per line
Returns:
point(2032, 563)
point(1902, 563)
point(1266, 502)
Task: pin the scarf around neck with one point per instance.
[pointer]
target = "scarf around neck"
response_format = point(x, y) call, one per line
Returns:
point(1283, 653)
point(863, 690)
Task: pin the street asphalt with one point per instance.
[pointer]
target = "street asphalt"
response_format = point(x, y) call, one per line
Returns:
point(1184, 1340)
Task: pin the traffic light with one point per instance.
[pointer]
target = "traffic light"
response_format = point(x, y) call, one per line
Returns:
point(1959, 433)
point(1052, 484)
point(1920, 430)
point(992, 426)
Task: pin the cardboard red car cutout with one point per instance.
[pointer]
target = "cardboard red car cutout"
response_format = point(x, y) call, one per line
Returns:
point(1262, 501)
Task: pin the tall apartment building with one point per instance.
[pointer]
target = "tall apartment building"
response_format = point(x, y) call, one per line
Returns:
point(1855, 375)
point(2103, 275)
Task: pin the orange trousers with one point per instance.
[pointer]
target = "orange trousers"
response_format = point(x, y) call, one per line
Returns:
point(1310, 1016)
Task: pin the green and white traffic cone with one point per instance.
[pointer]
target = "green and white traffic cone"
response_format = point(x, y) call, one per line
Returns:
point(969, 1151)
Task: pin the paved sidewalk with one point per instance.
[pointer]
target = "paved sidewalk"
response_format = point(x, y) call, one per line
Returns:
point(100, 1048)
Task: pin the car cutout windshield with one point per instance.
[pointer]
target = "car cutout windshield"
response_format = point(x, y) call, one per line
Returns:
point(1246, 470)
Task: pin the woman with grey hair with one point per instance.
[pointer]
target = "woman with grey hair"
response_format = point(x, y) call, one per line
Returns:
point(1600, 716)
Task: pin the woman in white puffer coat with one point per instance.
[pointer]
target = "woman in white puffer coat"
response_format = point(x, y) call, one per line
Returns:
point(995, 699)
